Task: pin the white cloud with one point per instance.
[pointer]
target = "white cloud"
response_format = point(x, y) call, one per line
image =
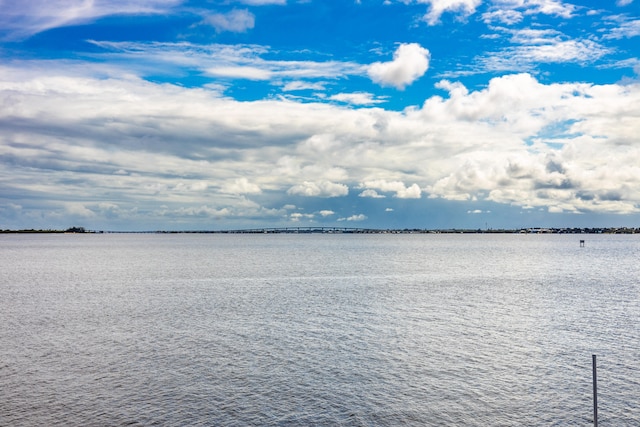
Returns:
point(200, 211)
point(263, 2)
point(79, 210)
point(297, 216)
point(236, 21)
point(438, 7)
point(402, 191)
point(533, 37)
point(412, 192)
point(190, 186)
point(319, 189)
point(410, 62)
point(249, 73)
point(356, 98)
point(326, 213)
point(624, 2)
point(550, 7)
point(510, 11)
point(241, 61)
point(541, 175)
point(139, 146)
point(625, 30)
point(241, 186)
point(25, 18)
point(504, 16)
point(302, 85)
point(371, 193)
point(562, 51)
point(533, 47)
point(358, 217)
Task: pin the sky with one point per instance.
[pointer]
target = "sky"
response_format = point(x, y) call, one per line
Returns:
point(141, 115)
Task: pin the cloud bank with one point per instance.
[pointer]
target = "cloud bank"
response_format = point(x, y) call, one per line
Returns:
point(135, 147)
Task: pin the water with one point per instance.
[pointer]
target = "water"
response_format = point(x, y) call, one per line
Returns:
point(374, 330)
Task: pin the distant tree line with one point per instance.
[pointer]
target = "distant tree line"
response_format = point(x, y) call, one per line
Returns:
point(75, 230)
point(32, 230)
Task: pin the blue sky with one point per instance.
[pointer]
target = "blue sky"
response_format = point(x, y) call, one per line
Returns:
point(207, 115)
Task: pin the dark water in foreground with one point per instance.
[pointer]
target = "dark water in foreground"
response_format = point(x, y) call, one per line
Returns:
point(383, 330)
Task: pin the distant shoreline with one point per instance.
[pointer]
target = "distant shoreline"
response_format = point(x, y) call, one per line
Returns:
point(343, 230)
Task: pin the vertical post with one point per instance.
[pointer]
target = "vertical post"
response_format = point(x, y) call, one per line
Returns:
point(595, 392)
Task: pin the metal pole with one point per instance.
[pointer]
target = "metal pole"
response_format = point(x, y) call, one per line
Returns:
point(595, 392)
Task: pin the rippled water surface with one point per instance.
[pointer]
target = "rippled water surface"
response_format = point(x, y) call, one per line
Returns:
point(377, 330)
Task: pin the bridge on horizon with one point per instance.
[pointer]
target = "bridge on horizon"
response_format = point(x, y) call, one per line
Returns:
point(303, 230)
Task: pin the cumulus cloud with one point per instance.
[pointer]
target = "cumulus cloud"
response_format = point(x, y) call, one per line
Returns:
point(319, 189)
point(371, 193)
point(542, 174)
point(236, 21)
point(158, 151)
point(402, 191)
point(410, 62)
point(411, 192)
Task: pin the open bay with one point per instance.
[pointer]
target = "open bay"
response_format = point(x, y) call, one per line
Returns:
point(318, 329)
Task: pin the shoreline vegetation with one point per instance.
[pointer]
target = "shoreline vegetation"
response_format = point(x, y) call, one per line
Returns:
point(344, 230)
